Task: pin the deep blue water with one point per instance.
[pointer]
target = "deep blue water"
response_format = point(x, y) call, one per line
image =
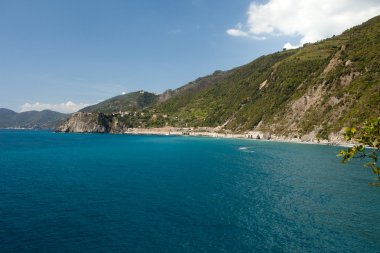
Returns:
point(119, 193)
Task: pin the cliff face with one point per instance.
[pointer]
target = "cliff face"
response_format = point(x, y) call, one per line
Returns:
point(82, 122)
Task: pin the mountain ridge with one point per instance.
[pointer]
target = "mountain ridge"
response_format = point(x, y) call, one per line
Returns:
point(131, 101)
point(46, 119)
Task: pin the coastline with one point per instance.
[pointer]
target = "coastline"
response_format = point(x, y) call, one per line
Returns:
point(99, 123)
point(187, 132)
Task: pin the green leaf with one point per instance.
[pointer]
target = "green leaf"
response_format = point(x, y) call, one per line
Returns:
point(368, 135)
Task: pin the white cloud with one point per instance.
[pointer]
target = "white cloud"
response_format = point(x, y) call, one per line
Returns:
point(67, 107)
point(290, 46)
point(313, 20)
point(237, 33)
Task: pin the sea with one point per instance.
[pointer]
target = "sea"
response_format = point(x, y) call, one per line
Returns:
point(128, 193)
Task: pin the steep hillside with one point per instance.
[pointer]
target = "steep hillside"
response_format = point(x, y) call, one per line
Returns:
point(318, 88)
point(187, 91)
point(309, 92)
point(32, 119)
point(129, 102)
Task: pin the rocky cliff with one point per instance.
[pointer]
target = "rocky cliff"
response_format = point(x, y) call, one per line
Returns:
point(82, 122)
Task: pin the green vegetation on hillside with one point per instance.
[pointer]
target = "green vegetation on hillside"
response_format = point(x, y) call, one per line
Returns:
point(314, 90)
point(129, 102)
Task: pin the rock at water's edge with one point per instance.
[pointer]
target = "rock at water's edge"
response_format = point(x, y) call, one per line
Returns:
point(82, 122)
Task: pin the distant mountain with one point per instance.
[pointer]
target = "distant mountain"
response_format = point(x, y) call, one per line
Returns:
point(32, 119)
point(6, 114)
point(129, 102)
point(311, 92)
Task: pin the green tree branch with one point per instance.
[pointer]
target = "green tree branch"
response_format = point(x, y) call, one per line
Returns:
point(367, 138)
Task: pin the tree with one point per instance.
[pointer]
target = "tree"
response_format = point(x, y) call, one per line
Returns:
point(367, 138)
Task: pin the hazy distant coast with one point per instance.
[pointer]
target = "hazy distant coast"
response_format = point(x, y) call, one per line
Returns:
point(31, 119)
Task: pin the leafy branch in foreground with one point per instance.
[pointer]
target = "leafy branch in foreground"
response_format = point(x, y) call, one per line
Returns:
point(368, 139)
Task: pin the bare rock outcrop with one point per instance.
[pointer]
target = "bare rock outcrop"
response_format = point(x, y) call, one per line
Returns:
point(82, 122)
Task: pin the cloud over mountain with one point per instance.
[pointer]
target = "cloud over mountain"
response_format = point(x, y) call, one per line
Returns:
point(67, 107)
point(312, 20)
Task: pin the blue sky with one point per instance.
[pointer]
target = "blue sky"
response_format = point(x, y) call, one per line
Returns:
point(86, 51)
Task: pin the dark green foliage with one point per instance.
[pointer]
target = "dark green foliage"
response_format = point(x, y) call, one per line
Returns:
point(368, 135)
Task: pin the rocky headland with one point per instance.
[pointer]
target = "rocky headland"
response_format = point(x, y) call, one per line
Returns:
point(86, 123)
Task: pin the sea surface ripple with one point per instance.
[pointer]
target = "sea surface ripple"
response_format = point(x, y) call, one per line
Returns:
point(121, 193)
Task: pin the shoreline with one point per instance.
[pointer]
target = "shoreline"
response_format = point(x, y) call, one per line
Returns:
point(91, 123)
point(247, 136)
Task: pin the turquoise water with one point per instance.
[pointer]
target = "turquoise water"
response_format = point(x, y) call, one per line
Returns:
point(119, 193)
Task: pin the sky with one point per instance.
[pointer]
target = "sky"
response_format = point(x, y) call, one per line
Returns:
point(64, 55)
